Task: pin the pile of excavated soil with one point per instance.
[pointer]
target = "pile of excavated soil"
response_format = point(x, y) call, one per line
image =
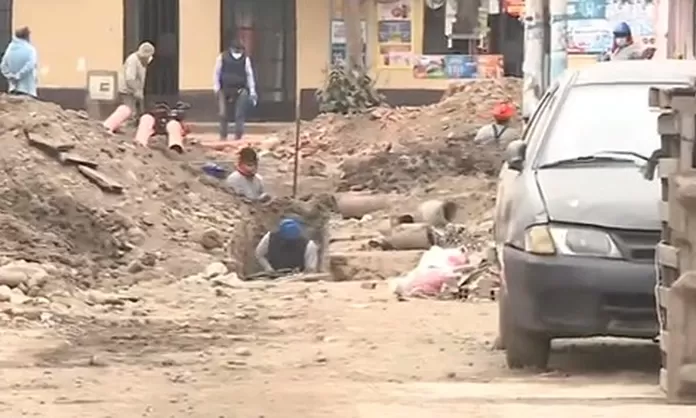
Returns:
point(402, 169)
point(165, 221)
point(396, 149)
point(463, 109)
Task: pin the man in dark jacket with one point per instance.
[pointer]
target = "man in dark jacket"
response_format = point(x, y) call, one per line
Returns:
point(235, 87)
point(287, 248)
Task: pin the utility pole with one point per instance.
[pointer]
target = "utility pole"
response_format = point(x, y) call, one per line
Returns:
point(533, 64)
point(559, 28)
point(354, 43)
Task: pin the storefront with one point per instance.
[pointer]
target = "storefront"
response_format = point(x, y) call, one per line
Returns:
point(292, 43)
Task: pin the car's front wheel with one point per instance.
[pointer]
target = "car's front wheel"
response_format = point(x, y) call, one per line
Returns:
point(523, 348)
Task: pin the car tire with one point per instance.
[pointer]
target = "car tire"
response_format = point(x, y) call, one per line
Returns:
point(526, 349)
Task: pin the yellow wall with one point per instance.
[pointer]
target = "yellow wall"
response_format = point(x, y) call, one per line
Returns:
point(313, 48)
point(72, 37)
point(69, 43)
point(199, 43)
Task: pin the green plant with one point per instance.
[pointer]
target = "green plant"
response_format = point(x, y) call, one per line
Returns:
point(348, 91)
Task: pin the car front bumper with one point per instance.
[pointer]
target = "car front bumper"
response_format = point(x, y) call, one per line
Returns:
point(564, 296)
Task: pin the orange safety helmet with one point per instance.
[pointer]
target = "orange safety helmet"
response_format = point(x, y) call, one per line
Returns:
point(503, 111)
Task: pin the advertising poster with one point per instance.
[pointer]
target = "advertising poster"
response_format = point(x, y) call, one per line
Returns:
point(590, 36)
point(639, 14)
point(429, 66)
point(395, 32)
point(489, 66)
point(461, 66)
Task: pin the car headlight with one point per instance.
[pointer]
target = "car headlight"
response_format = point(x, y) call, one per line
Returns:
point(577, 241)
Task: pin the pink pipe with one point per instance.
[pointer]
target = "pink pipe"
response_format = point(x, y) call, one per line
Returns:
point(175, 137)
point(117, 118)
point(146, 128)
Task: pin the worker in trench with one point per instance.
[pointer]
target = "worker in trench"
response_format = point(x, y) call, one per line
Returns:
point(287, 249)
point(245, 180)
point(131, 87)
point(235, 88)
point(19, 64)
point(499, 131)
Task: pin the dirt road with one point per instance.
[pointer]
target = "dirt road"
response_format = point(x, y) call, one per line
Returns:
point(188, 349)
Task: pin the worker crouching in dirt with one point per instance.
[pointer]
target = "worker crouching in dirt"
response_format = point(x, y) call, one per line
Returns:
point(498, 131)
point(131, 86)
point(287, 249)
point(245, 181)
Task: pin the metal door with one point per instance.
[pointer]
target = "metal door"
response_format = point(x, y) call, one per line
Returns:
point(267, 29)
point(5, 32)
point(157, 22)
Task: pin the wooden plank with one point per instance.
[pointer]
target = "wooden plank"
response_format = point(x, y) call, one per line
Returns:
point(667, 166)
point(667, 255)
point(74, 159)
point(104, 182)
point(50, 147)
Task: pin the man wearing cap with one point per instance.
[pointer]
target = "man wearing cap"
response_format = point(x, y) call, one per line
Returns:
point(19, 64)
point(131, 78)
point(287, 248)
point(498, 131)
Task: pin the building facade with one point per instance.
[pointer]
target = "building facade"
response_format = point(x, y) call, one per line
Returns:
point(291, 42)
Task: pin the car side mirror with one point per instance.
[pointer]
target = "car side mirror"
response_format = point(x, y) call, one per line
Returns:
point(514, 154)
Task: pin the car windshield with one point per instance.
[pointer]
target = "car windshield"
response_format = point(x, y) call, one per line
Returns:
point(605, 120)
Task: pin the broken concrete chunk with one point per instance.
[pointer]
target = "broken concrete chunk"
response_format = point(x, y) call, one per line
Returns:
point(74, 159)
point(50, 147)
point(96, 297)
point(100, 179)
point(214, 270)
point(19, 272)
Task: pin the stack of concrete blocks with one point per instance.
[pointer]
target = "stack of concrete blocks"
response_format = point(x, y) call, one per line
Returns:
point(676, 254)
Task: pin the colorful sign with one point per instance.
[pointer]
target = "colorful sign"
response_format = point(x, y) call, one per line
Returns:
point(458, 66)
point(395, 33)
point(590, 23)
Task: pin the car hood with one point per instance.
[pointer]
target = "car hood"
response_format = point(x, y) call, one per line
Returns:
point(614, 197)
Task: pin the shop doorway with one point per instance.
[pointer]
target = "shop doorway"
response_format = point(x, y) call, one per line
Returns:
point(157, 22)
point(5, 33)
point(267, 30)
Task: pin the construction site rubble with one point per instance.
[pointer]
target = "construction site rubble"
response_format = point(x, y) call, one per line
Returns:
point(100, 210)
point(396, 149)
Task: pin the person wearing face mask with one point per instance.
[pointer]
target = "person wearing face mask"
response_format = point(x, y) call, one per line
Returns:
point(131, 87)
point(498, 131)
point(623, 47)
point(235, 87)
point(245, 181)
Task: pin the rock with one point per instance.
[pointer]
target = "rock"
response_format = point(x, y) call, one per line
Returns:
point(214, 270)
point(18, 272)
point(135, 267)
point(211, 239)
point(242, 351)
point(5, 293)
point(232, 280)
point(368, 285)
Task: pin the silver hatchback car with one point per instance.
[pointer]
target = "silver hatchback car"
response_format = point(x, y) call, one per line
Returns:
point(576, 223)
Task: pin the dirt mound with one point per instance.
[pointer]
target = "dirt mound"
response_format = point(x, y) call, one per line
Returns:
point(420, 164)
point(164, 222)
point(463, 109)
